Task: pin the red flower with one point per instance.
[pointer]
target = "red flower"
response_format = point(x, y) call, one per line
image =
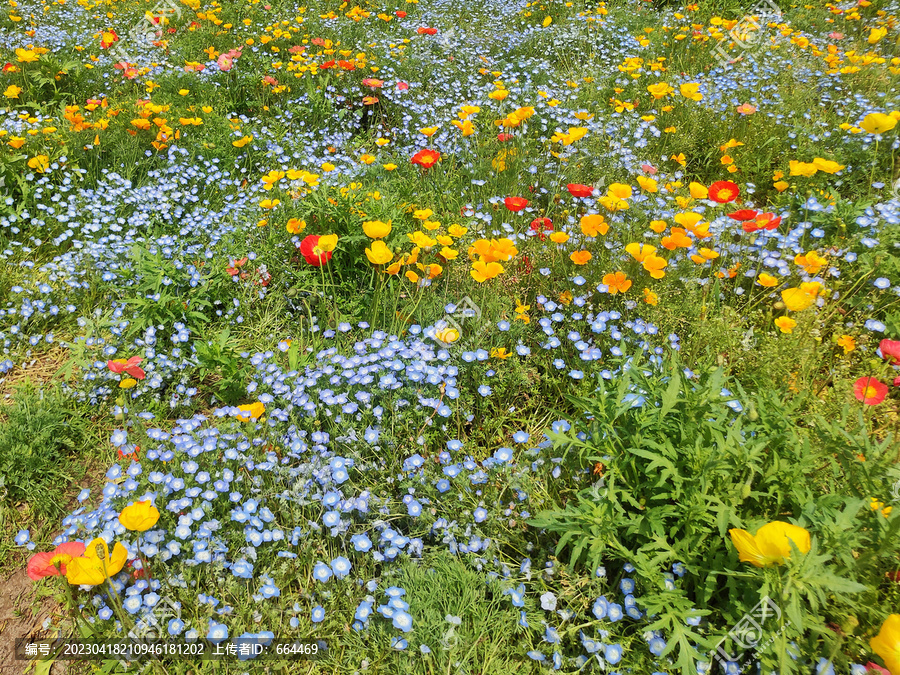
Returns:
point(743, 215)
point(869, 390)
point(515, 204)
point(53, 563)
point(872, 667)
point(723, 191)
point(327, 65)
point(579, 190)
point(504, 137)
point(426, 31)
point(130, 367)
point(309, 251)
point(890, 351)
point(400, 14)
point(426, 158)
point(235, 267)
point(541, 225)
point(133, 455)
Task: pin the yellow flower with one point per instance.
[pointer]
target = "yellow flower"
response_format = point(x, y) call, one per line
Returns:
point(252, 410)
point(269, 203)
point(887, 643)
point(379, 253)
point(482, 271)
point(127, 383)
point(559, 237)
point(295, 226)
point(650, 297)
point(647, 184)
point(770, 545)
point(96, 565)
point(767, 280)
point(12, 91)
point(242, 142)
point(448, 335)
point(593, 224)
point(691, 90)
point(811, 262)
point(448, 253)
point(139, 517)
point(785, 324)
point(878, 123)
point(847, 343)
point(26, 55)
point(827, 165)
point(376, 229)
point(796, 299)
point(805, 169)
point(389, 167)
point(876, 34)
point(327, 242)
point(499, 353)
point(457, 230)
point(422, 240)
point(698, 191)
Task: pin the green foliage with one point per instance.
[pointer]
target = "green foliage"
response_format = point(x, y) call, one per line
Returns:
point(39, 440)
point(680, 468)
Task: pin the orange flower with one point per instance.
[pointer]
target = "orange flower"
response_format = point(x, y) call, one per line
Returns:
point(594, 224)
point(617, 283)
point(580, 257)
point(723, 191)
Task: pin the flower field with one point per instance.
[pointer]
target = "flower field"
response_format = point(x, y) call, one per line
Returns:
point(413, 336)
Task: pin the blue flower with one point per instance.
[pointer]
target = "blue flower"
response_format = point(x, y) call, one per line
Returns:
point(321, 572)
point(361, 542)
point(318, 614)
point(217, 632)
point(535, 655)
point(613, 653)
point(521, 437)
point(402, 621)
point(22, 537)
point(341, 567)
point(175, 626)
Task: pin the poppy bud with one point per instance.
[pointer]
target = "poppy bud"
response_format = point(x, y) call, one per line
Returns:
point(779, 305)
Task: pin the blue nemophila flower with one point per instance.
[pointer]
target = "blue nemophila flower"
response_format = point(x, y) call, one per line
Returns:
point(626, 586)
point(363, 611)
point(425, 649)
point(480, 514)
point(503, 454)
point(657, 645)
point(551, 635)
point(118, 438)
point(548, 601)
point(318, 614)
point(399, 643)
point(402, 621)
point(321, 572)
point(613, 653)
point(341, 567)
point(601, 607)
point(521, 437)
point(614, 611)
point(517, 595)
point(535, 655)
point(175, 626)
point(22, 537)
point(217, 632)
point(395, 592)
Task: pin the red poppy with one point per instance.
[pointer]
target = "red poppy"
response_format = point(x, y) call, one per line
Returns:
point(130, 367)
point(400, 14)
point(504, 137)
point(310, 252)
point(579, 190)
point(402, 86)
point(426, 31)
point(744, 214)
point(649, 168)
point(869, 390)
point(318, 42)
point(515, 204)
point(426, 158)
point(872, 667)
point(890, 351)
point(541, 225)
point(53, 563)
point(723, 191)
point(327, 65)
point(347, 65)
point(235, 267)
